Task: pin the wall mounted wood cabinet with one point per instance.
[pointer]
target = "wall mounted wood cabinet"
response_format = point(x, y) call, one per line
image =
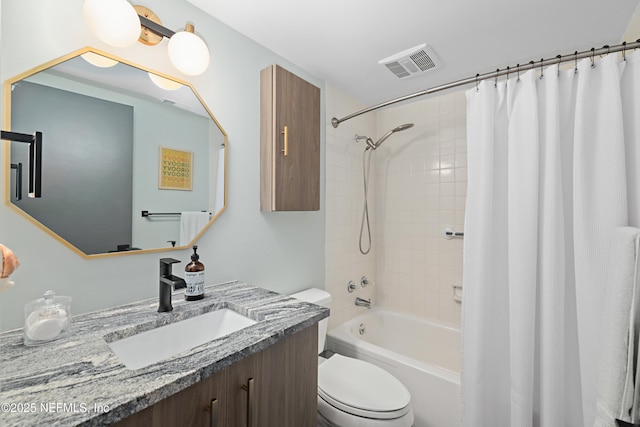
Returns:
point(289, 142)
point(276, 387)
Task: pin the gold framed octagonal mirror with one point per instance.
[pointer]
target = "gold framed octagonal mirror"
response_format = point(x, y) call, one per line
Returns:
point(132, 160)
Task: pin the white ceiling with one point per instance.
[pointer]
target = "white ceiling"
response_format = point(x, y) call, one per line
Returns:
point(341, 41)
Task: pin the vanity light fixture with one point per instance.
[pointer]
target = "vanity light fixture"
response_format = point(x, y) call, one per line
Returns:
point(112, 22)
point(35, 158)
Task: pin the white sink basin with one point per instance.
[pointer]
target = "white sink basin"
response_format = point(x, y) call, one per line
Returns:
point(149, 347)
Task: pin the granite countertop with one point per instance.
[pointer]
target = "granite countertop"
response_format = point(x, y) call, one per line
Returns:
point(77, 380)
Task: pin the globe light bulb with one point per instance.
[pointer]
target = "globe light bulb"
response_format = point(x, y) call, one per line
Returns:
point(115, 22)
point(164, 83)
point(98, 60)
point(188, 52)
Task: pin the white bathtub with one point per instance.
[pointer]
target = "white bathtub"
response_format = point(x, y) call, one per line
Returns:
point(423, 355)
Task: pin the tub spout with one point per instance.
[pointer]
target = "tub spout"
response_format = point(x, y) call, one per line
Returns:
point(361, 302)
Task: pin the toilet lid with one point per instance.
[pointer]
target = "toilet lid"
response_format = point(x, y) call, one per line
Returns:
point(361, 385)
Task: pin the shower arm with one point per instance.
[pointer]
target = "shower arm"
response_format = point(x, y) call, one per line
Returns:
point(378, 143)
point(368, 140)
point(335, 122)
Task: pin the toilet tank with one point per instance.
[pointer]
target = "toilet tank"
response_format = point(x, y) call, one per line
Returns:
point(319, 297)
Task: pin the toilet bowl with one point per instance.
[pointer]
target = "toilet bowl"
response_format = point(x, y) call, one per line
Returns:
point(352, 392)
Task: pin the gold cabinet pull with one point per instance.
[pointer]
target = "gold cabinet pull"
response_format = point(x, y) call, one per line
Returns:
point(249, 388)
point(285, 132)
point(212, 408)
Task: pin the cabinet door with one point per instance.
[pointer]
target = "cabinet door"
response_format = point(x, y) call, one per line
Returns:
point(201, 404)
point(207, 407)
point(290, 142)
point(289, 389)
point(243, 383)
point(273, 388)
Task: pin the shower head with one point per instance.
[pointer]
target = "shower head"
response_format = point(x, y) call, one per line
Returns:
point(392, 131)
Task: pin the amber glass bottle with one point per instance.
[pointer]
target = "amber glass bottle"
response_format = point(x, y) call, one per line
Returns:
point(194, 276)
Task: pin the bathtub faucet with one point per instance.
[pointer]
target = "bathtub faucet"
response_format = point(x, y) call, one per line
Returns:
point(360, 302)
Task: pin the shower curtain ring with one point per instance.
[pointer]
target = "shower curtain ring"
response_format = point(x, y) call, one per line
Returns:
point(518, 79)
point(477, 88)
point(593, 54)
point(541, 69)
point(559, 61)
point(624, 51)
point(495, 84)
point(507, 72)
point(576, 62)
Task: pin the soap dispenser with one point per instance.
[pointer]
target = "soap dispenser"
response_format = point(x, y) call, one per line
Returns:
point(194, 277)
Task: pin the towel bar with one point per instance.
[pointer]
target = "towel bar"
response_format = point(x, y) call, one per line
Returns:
point(146, 214)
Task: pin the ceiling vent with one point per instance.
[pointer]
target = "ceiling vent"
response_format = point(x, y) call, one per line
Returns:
point(412, 62)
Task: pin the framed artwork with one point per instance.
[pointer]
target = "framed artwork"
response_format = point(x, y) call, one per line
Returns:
point(176, 169)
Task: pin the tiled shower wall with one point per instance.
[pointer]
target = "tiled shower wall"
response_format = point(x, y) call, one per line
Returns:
point(344, 198)
point(417, 188)
point(421, 187)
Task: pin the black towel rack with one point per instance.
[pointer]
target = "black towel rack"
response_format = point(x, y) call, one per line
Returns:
point(146, 214)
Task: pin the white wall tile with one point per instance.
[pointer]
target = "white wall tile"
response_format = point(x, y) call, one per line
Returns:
point(344, 201)
point(417, 188)
point(417, 268)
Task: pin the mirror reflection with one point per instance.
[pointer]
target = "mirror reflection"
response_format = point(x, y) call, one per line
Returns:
point(131, 160)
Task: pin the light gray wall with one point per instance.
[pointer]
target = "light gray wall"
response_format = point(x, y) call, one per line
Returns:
point(279, 251)
point(174, 128)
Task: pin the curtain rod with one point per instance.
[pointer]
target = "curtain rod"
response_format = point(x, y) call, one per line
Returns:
point(495, 74)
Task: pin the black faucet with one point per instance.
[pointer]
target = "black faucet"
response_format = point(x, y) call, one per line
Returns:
point(168, 282)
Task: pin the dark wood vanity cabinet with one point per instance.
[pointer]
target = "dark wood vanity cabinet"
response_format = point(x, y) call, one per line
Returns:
point(190, 407)
point(276, 387)
point(289, 142)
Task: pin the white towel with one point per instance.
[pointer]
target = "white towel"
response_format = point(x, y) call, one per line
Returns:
point(191, 223)
point(617, 394)
point(220, 182)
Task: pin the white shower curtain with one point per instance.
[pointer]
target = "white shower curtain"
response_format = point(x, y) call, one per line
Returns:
point(553, 167)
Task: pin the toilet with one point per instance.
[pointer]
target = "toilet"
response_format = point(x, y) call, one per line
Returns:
point(352, 392)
